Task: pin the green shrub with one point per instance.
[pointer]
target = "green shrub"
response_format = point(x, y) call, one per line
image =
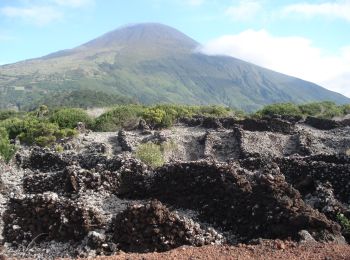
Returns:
point(324, 109)
point(344, 222)
point(164, 116)
point(67, 132)
point(118, 117)
point(38, 132)
point(346, 109)
point(215, 110)
point(157, 117)
point(150, 154)
point(70, 132)
point(45, 140)
point(59, 148)
point(13, 126)
point(7, 150)
point(33, 130)
point(6, 114)
point(288, 109)
point(311, 109)
point(69, 117)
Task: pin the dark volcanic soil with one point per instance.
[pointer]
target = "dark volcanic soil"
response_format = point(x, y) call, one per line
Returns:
point(225, 182)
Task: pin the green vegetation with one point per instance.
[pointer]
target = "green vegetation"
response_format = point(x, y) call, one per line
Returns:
point(118, 117)
point(7, 150)
point(32, 130)
point(44, 127)
point(151, 154)
point(324, 109)
point(83, 98)
point(59, 148)
point(157, 116)
point(39, 128)
point(346, 109)
point(289, 109)
point(69, 117)
point(344, 222)
point(30, 99)
point(5, 114)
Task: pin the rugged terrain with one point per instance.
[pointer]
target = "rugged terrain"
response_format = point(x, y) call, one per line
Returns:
point(266, 184)
point(151, 63)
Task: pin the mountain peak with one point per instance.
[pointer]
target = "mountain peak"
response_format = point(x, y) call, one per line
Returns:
point(145, 34)
point(155, 63)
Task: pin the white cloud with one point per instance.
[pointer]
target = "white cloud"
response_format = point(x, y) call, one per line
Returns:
point(245, 10)
point(74, 3)
point(294, 56)
point(334, 9)
point(39, 15)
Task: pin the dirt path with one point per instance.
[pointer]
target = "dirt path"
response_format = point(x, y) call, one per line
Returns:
point(270, 250)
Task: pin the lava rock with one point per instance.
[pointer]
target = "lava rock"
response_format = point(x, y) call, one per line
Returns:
point(152, 227)
point(49, 216)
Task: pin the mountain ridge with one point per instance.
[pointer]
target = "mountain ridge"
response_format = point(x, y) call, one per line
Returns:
point(155, 63)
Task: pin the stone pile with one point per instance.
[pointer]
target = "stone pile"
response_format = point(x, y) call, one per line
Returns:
point(153, 227)
point(48, 216)
point(324, 124)
point(248, 204)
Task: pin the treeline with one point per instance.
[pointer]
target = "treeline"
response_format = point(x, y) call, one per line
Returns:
point(48, 127)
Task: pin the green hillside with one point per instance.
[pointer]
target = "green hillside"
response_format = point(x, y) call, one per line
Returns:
point(153, 63)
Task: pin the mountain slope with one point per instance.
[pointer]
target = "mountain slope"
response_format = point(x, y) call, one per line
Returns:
point(154, 63)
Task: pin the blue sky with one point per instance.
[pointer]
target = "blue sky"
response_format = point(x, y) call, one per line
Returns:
point(307, 39)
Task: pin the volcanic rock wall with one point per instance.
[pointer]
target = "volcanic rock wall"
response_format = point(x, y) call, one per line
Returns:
point(226, 181)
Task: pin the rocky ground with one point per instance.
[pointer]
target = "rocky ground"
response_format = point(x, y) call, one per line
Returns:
point(226, 182)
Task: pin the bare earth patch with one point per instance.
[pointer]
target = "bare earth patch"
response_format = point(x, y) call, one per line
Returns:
point(268, 250)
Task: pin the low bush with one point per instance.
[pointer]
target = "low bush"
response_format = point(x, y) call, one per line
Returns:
point(7, 150)
point(346, 109)
point(215, 111)
point(34, 130)
point(282, 109)
point(59, 148)
point(322, 109)
point(13, 126)
point(151, 154)
point(118, 117)
point(157, 116)
point(6, 114)
point(344, 223)
point(69, 117)
point(38, 132)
